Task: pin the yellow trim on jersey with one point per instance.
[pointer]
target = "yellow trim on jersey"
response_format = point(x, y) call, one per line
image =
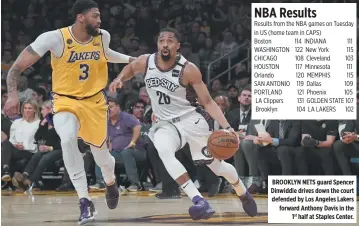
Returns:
point(81, 43)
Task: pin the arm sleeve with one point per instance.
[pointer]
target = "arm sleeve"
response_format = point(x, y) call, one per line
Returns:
point(49, 41)
point(112, 56)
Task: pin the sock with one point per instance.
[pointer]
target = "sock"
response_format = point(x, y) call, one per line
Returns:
point(239, 187)
point(190, 189)
point(226, 170)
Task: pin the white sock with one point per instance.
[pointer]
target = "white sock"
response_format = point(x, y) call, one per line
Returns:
point(190, 189)
point(239, 187)
point(226, 170)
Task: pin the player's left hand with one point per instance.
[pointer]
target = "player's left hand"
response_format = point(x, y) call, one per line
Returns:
point(116, 84)
point(234, 132)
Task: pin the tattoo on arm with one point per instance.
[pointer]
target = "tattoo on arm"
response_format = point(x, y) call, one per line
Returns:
point(15, 71)
point(13, 78)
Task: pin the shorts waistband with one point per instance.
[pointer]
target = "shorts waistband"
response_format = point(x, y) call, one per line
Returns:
point(77, 98)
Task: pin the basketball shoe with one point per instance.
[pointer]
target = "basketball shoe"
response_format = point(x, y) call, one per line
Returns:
point(201, 209)
point(88, 211)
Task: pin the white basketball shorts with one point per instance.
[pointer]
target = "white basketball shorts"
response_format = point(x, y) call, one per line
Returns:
point(191, 128)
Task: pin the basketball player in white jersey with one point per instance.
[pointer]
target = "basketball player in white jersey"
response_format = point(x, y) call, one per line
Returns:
point(173, 85)
point(78, 102)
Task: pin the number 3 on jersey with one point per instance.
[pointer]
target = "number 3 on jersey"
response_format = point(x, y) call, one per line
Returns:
point(163, 98)
point(84, 68)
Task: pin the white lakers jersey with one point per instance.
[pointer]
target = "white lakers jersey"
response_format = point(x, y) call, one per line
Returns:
point(169, 98)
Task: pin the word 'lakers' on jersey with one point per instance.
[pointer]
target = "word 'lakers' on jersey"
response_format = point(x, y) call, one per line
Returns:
point(169, 98)
point(81, 70)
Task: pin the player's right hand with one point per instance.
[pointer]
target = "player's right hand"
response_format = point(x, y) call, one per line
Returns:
point(116, 84)
point(12, 106)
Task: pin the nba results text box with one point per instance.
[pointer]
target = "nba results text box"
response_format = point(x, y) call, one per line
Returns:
point(304, 61)
point(312, 199)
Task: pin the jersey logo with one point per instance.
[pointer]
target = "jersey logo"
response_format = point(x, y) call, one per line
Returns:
point(175, 73)
point(206, 153)
point(155, 82)
point(95, 55)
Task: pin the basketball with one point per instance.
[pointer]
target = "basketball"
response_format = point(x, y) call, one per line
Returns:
point(223, 144)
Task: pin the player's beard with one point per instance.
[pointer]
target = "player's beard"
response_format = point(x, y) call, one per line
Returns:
point(166, 57)
point(92, 30)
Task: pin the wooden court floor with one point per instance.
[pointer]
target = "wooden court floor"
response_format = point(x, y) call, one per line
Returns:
point(134, 209)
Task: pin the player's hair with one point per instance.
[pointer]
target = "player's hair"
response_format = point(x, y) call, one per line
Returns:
point(172, 30)
point(83, 6)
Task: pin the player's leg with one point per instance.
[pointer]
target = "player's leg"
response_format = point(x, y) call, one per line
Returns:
point(226, 170)
point(197, 138)
point(167, 141)
point(66, 125)
point(106, 162)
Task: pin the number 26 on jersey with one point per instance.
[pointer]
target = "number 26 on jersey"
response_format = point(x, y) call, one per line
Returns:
point(84, 72)
point(163, 98)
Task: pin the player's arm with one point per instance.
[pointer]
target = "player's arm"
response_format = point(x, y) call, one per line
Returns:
point(138, 66)
point(194, 78)
point(30, 55)
point(26, 59)
point(113, 56)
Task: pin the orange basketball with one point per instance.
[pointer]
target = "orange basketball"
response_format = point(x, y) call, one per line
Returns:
point(223, 144)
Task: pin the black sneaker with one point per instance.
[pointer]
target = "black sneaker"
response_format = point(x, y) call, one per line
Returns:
point(112, 195)
point(168, 195)
point(6, 175)
point(66, 186)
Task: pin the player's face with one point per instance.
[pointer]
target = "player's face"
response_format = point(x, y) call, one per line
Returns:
point(92, 22)
point(167, 45)
point(245, 98)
